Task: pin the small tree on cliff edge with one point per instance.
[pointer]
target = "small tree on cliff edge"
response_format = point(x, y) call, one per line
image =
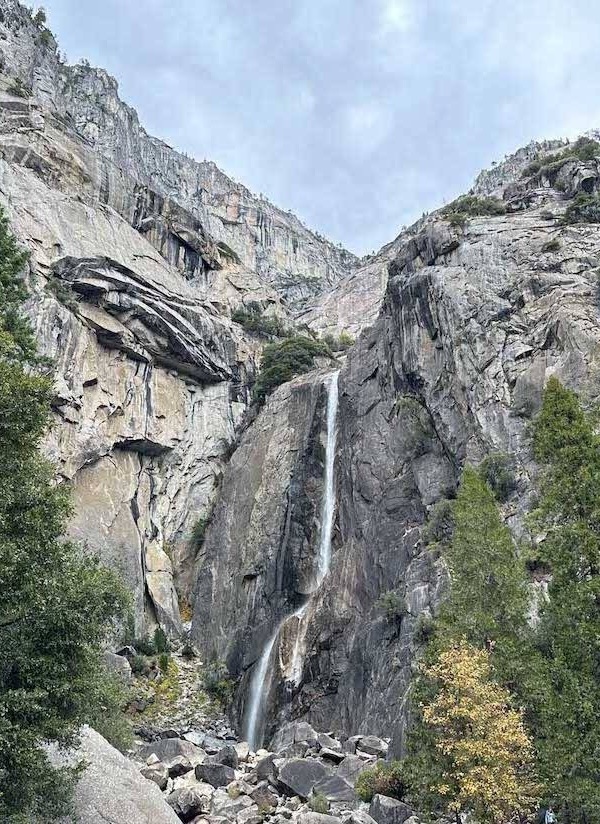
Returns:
point(483, 755)
point(56, 606)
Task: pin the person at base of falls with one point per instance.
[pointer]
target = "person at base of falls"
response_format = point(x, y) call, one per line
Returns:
point(550, 817)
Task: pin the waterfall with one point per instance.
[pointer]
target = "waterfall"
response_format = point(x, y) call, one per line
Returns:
point(257, 693)
point(328, 506)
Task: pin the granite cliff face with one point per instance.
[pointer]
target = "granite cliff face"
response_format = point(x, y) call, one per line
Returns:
point(138, 257)
point(473, 322)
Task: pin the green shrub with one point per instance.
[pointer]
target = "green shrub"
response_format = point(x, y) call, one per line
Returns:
point(161, 642)
point(144, 646)
point(284, 360)
point(199, 529)
point(188, 651)
point(425, 629)
point(163, 661)
point(39, 18)
point(385, 778)
point(551, 245)
point(583, 209)
point(318, 803)
point(440, 524)
point(583, 149)
point(392, 604)
point(139, 664)
point(254, 320)
point(497, 471)
point(345, 341)
point(57, 603)
point(471, 206)
point(458, 219)
point(217, 683)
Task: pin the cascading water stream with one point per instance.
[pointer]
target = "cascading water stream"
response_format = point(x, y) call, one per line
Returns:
point(257, 694)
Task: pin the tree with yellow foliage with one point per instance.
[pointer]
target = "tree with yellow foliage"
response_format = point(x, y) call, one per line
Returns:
point(482, 756)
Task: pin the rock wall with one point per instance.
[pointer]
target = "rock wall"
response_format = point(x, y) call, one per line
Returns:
point(139, 254)
point(473, 323)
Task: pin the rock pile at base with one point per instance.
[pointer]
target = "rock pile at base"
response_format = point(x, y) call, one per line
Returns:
point(306, 777)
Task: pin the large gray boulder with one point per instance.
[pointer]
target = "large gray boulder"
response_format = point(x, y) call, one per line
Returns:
point(189, 802)
point(350, 768)
point(111, 789)
point(299, 775)
point(388, 810)
point(167, 749)
point(335, 788)
point(317, 818)
point(219, 775)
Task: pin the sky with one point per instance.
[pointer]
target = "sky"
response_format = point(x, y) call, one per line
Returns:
point(359, 115)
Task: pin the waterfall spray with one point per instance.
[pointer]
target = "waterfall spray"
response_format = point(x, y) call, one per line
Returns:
point(259, 686)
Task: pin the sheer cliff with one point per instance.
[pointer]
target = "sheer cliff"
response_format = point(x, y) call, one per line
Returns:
point(477, 314)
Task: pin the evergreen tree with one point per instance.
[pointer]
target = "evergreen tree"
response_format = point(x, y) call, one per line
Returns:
point(487, 603)
point(56, 606)
point(563, 691)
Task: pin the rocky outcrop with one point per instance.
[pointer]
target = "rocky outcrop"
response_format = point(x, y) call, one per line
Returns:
point(111, 788)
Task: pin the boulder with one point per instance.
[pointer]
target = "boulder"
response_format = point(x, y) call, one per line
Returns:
point(361, 817)
point(180, 765)
point(350, 768)
point(111, 789)
point(317, 818)
point(349, 744)
point(223, 804)
point(119, 665)
point(189, 802)
point(226, 755)
point(250, 815)
point(388, 810)
point(373, 746)
point(219, 775)
point(166, 749)
point(263, 795)
point(337, 756)
point(265, 767)
point(299, 775)
point(335, 788)
point(293, 733)
point(243, 751)
point(156, 772)
point(327, 742)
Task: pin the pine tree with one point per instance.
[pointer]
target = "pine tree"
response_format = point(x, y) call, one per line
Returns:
point(56, 606)
point(563, 690)
point(487, 603)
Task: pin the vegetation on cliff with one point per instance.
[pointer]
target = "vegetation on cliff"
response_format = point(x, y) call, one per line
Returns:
point(283, 360)
point(56, 605)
